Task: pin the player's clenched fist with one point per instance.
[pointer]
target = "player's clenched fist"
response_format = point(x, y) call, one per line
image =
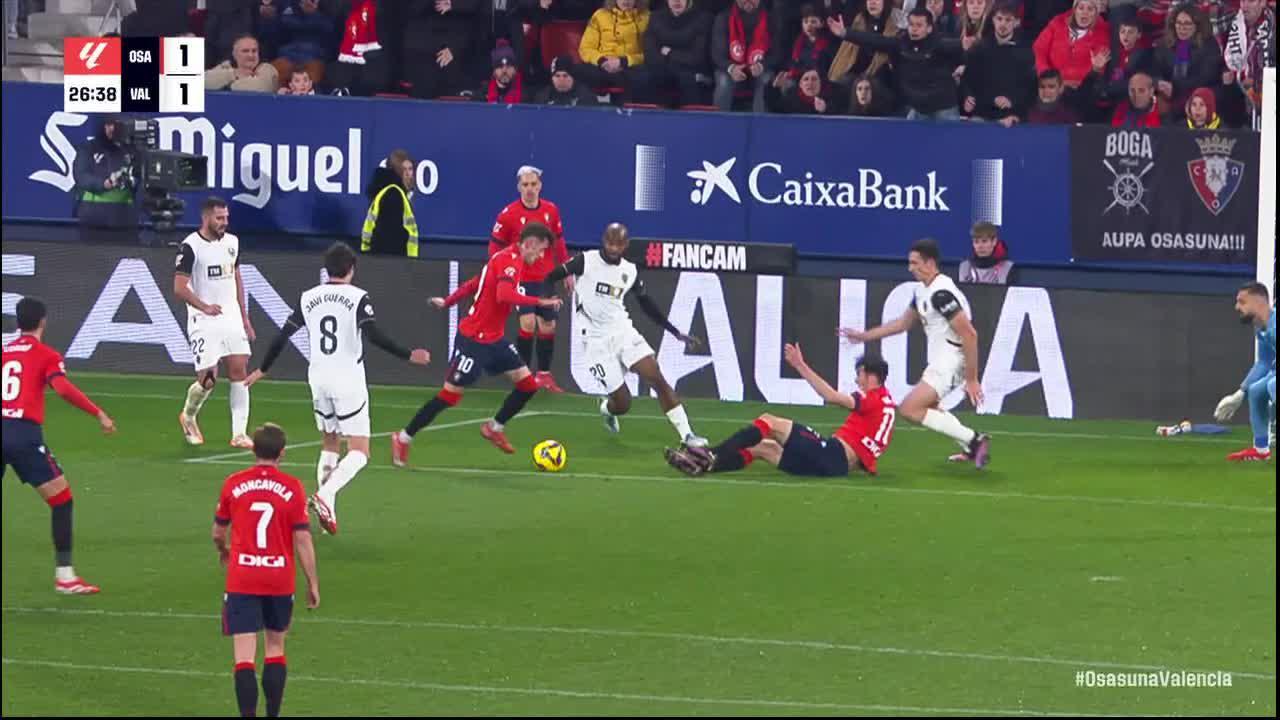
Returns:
point(419, 356)
point(108, 425)
point(551, 302)
point(438, 303)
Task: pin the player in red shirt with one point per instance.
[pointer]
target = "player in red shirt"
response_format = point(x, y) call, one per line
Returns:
point(29, 365)
point(535, 320)
point(265, 513)
point(799, 450)
point(480, 346)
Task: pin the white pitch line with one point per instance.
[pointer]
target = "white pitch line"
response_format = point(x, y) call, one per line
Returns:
point(657, 635)
point(556, 692)
point(216, 459)
point(743, 421)
point(704, 480)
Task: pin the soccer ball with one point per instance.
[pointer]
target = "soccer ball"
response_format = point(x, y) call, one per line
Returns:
point(549, 455)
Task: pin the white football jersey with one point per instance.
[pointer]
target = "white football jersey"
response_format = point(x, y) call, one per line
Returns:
point(333, 314)
point(937, 303)
point(212, 264)
point(601, 292)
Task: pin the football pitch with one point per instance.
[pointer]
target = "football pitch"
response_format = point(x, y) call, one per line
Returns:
point(471, 583)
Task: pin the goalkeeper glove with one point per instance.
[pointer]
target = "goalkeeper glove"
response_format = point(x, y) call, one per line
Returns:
point(1228, 406)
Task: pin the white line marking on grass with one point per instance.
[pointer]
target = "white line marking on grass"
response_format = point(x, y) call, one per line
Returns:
point(556, 692)
point(1106, 579)
point(653, 635)
point(217, 459)
point(1083, 499)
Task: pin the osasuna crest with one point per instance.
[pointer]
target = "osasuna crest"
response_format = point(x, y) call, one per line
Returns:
point(1215, 175)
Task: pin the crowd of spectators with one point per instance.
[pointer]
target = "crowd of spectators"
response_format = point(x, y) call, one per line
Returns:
point(1143, 63)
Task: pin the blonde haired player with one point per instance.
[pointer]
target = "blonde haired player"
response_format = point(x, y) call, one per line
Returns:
point(207, 279)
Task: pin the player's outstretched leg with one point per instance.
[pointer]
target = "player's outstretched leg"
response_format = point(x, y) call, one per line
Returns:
point(448, 396)
point(325, 501)
point(921, 407)
point(647, 368)
point(275, 672)
point(1261, 396)
point(525, 388)
point(57, 494)
point(237, 369)
point(197, 394)
point(735, 453)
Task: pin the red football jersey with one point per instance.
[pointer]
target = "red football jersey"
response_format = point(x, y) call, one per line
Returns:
point(264, 506)
point(869, 428)
point(486, 321)
point(28, 366)
point(513, 218)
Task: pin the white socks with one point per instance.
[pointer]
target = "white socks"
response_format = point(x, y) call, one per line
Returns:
point(680, 421)
point(239, 409)
point(196, 395)
point(64, 573)
point(341, 475)
point(941, 421)
point(328, 461)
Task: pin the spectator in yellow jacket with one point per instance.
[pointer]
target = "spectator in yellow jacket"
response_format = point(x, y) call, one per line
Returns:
point(612, 44)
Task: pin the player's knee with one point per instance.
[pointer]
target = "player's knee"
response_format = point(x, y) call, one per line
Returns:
point(527, 384)
point(1260, 390)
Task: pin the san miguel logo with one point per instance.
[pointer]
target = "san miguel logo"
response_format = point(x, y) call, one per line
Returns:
point(1215, 175)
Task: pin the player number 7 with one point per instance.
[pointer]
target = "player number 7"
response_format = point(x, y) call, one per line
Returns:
point(263, 522)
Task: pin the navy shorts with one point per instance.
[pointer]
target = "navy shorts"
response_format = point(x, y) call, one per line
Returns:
point(808, 453)
point(538, 288)
point(25, 450)
point(243, 613)
point(471, 359)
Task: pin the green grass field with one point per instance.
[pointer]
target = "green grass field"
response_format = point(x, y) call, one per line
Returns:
point(471, 584)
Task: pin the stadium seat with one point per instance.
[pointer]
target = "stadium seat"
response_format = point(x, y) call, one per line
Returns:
point(196, 19)
point(531, 37)
point(641, 106)
point(561, 37)
point(700, 108)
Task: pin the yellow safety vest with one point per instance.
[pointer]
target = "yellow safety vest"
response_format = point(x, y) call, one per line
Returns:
point(371, 219)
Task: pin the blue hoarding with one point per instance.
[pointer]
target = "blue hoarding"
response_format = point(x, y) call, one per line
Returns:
point(830, 186)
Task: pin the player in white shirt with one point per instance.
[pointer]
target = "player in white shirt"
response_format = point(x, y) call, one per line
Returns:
point(613, 346)
point(953, 352)
point(207, 279)
point(337, 316)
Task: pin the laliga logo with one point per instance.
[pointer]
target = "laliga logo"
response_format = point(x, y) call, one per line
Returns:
point(1215, 176)
point(90, 52)
point(711, 178)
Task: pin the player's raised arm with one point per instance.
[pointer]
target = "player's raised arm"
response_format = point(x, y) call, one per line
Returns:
point(573, 267)
point(901, 325)
point(650, 308)
point(795, 358)
point(369, 326)
point(465, 289)
point(182, 283)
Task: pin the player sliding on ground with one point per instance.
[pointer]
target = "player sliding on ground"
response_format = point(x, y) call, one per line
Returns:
point(1254, 306)
point(207, 280)
point(480, 346)
point(337, 316)
point(953, 352)
point(799, 449)
point(606, 280)
point(28, 366)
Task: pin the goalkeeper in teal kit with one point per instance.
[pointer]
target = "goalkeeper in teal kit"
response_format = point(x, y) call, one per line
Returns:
point(1259, 386)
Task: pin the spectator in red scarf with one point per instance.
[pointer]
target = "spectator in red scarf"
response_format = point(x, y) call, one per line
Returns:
point(1202, 110)
point(1052, 107)
point(869, 98)
point(362, 67)
point(1070, 39)
point(1139, 111)
point(813, 48)
point(806, 98)
point(1187, 58)
point(989, 264)
point(505, 85)
point(744, 53)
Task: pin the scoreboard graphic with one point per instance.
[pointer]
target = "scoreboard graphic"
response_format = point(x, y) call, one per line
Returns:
point(133, 74)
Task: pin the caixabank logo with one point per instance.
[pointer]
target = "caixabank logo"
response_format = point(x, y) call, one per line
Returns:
point(727, 181)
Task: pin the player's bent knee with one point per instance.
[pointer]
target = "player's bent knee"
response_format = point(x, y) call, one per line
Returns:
point(208, 379)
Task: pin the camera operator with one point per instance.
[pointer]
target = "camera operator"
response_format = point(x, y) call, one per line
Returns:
point(106, 180)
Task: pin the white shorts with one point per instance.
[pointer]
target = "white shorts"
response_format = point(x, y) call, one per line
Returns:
point(343, 410)
point(610, 357)
point(945, 374)
point(211, 343)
